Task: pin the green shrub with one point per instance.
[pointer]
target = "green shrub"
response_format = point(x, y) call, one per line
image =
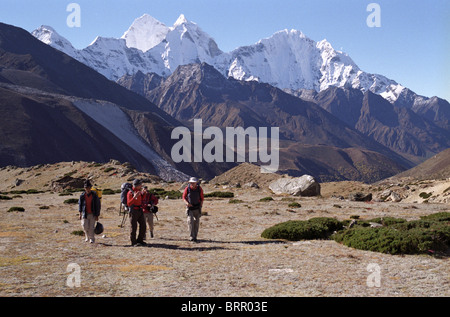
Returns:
point(393, 241)
point(266, 199)
point(387, 221)
point(33, 191)
point(219, 194)
point(161, 192)
point(108, 191)
point(294, 205)
point(18, 192)
point(5, 197)
point(71, 201)
point(44, 207)
point(21, 209)
point(109, 169)
point(294, 230)
point(235, 201)
point(425, 195)
point(173, 194)
point(440, 216)
point(399, 236)
point(78, 233)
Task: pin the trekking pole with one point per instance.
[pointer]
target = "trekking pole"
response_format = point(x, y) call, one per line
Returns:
point(123, 219)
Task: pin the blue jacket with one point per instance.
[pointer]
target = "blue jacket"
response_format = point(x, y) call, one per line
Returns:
point(95, 205)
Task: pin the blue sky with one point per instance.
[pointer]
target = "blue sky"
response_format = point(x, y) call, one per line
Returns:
point(412, 46)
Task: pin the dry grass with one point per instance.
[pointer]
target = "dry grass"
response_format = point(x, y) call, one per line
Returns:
point(231, 258)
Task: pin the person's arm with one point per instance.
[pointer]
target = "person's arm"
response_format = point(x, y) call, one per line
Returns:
point(80, 206)
point(97, 206)
point(202, 198)
point(185, 197)
point(130, 198)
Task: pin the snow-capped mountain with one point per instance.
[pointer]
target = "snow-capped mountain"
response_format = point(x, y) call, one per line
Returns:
point(145, 33)
point(288, 59)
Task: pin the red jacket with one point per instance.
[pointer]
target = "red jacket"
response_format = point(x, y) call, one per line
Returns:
point(137, 202)
point(148, 200)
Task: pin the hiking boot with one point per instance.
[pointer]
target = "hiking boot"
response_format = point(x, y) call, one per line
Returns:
point(151, 234)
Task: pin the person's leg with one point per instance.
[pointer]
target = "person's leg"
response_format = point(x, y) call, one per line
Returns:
point(133, 223)
point(193, 221)
point(196, 226)
point(149, 220)
point(84, 224)
point(142, 227)
point(91, 227)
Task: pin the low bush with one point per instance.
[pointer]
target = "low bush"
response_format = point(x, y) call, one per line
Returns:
point(2, 197)
point(387, 221)
point(78, 233)
point(161, 192)
point(71, 201)
point(33, 191)
point(44, 207)
point(266, 199)
point(398, 236)
point(425, 195)
point(294, 230)
point(219, 194)
point(21, 209)
point(108, 191)
point(429, 234)
point(235, 201)
point(294, 205)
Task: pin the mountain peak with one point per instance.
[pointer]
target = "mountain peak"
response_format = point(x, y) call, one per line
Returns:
point(49, 36)
point(181, 20)
point(145, 33)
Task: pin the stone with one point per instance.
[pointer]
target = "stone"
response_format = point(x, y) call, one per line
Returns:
point(67, 182)
point(360, 197)
point(305, 185)
point(385, 194)
point(395, 197)
point(251, 185)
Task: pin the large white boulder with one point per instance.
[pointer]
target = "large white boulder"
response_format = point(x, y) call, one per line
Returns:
point(305, 185)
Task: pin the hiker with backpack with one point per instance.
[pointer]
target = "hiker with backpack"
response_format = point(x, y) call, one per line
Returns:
point(193, 198)
point(149, 202)
point(89, 209)
point(134, 202)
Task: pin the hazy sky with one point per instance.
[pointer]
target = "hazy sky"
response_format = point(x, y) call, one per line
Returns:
point(412, 46)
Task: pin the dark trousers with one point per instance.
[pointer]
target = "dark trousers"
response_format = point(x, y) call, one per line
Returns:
point(137, 217)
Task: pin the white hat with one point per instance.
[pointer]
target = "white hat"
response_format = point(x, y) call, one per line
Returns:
point(193, 180)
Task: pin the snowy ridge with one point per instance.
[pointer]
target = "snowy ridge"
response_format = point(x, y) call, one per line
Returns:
point(287, 60)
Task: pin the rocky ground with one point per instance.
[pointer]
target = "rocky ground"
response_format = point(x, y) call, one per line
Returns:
point(231, 259)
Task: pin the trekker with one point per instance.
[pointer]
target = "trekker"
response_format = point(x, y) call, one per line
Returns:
point(134, 201)
point(89, 209)
point(149, 202)
point(193, 198)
